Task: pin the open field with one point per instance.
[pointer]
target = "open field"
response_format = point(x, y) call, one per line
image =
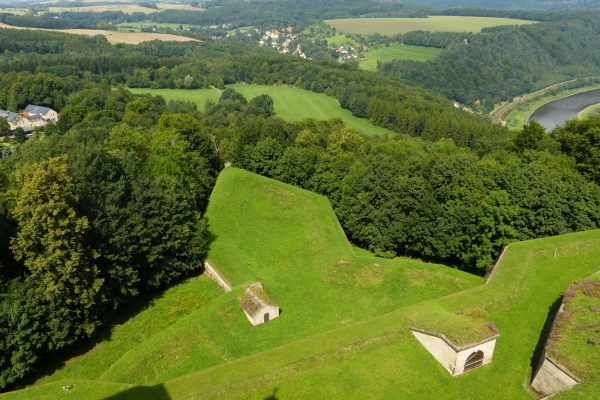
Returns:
point(343, 332)
point(398, 52)
point(588, 112)
point(128, 8)
point(290, 104)
point(392, 26)
point(114, 36)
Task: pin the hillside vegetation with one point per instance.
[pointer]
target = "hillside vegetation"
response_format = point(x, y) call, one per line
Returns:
point(291, 104)
point(344, 326)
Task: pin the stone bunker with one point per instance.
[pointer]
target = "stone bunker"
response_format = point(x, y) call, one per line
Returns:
point(456, 360)
point(257, 305)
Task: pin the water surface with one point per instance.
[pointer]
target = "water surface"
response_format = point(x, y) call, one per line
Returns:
point(556, 112)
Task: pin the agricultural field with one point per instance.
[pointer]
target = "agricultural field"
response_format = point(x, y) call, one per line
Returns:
point(115, 36)
point(392, 26)
point(343, 331)
point(398, 52)
point(291, 104)
point(127, 8)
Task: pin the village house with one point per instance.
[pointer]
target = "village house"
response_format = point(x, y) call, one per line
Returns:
point(16, 120)
point(257, 305)
point(47, 113)
point(32, 116)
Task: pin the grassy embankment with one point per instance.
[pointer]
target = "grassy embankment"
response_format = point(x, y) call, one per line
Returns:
point(518, 115)
point(291, 104)
point(343, 331)
point(392, 26)
point(588, 112)
point(288, 239)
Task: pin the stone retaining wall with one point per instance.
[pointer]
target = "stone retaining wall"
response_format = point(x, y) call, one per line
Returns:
point(215, 276)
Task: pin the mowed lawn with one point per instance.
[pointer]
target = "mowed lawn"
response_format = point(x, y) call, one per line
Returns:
point(398, 51)
point(392, 26)
point(284, 237)
point(291, 104)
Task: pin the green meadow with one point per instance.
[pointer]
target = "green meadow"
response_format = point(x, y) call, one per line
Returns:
point(290, 103)
point(392, 26)
point(398, 51)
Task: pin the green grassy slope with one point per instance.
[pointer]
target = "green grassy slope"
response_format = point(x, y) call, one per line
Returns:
point(379, 358)
point(291, 104)
point(288, 239)
point(392, 26)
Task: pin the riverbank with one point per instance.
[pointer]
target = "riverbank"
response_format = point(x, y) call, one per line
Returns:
point(518, 115)
point(589, 111)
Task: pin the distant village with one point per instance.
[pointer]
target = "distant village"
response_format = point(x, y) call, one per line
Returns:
point(33, 116)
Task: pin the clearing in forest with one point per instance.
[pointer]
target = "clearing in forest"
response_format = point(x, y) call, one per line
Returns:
point(437, 23)
point(343, 331)
point(398, 52)
point(290, 103)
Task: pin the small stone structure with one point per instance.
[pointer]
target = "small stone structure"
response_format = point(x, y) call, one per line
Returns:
point(456, 360)
point(551, 377)
point(215, 276)
point(257, 305)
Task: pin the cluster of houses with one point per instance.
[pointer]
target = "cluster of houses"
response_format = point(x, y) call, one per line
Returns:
point(30, 118)
point(346, 53)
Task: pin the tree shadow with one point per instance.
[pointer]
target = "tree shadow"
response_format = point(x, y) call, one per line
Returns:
point(536, 358)
point(157, 392)
point(273, 396)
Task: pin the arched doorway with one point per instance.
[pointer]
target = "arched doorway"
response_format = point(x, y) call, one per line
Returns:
point(474, 360)
point(266, 317)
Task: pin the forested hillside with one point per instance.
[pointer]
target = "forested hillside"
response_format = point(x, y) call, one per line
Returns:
point(503, 62)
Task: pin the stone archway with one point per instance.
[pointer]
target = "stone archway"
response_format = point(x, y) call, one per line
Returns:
point(474, 360)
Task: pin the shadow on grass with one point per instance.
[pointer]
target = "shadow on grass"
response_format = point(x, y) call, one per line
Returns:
point(273, 396)
point(157, 392)
point(536, 358)
point(56, 361)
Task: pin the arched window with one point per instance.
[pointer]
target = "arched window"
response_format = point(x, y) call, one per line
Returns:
point(475, 360)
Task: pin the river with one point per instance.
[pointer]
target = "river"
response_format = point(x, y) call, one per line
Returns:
point(556, 112)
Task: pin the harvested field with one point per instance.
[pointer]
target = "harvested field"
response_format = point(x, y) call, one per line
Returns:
point(392, 26)
point(115, 36)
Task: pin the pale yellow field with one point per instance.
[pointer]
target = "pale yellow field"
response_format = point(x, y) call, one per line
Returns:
point(392, 26)
point(127, 8)
point(115, 36)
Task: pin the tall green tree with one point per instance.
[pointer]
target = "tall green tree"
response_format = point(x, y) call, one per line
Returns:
point(50, 241)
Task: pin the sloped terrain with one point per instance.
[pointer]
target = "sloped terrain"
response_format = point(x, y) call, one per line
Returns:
point(289, 240)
